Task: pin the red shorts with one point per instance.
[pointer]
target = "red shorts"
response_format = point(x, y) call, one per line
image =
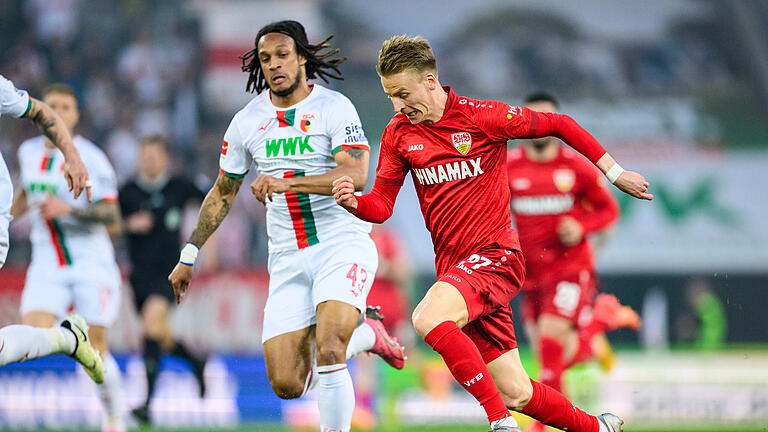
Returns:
point(488, 280)
point(566, 296)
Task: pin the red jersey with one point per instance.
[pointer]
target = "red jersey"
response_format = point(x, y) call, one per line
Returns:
point(458, 166)
point(543, 193)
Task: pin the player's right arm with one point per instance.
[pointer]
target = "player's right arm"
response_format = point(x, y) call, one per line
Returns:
point(234, 163)
point(215, 208)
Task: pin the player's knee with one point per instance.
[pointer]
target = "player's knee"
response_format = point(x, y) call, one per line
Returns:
point(331, 351)
point(287, 387)
point(423, 322)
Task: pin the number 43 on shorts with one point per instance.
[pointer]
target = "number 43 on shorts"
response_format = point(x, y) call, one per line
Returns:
point(358, 275)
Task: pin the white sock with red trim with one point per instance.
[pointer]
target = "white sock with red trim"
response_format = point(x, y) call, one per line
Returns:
point(336, 397)
point(22, 342)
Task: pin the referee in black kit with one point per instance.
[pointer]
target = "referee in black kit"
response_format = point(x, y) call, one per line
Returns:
point(152, 206)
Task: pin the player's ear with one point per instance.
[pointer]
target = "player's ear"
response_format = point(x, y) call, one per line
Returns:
point(431, 80)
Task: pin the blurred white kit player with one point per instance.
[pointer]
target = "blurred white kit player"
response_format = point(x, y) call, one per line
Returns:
point(297, 142)
point(73, 260)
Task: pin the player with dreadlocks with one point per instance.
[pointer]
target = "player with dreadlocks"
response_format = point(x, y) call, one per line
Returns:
point(321, 259)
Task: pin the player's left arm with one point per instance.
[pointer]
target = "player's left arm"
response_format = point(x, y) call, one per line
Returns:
point(352, 162)
point(521, 122)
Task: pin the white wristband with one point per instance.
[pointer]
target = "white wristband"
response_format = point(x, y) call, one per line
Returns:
point(189, 254)
point(614, 173)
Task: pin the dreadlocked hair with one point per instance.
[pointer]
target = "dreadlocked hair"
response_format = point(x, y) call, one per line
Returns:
point(316, 55)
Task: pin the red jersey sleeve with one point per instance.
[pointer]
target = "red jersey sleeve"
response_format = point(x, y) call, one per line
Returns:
point(600, 208)
point(392, 168)
point(502, 122)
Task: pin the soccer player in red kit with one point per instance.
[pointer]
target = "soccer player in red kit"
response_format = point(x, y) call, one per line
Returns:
point(455, 149)
point(558, 198)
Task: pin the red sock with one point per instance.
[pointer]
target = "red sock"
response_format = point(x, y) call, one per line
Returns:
point(552, 408)
point(467, 366)
point(586, 333)
point(551, 372)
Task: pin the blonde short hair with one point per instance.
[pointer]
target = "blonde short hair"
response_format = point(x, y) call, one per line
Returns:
point(402, 52)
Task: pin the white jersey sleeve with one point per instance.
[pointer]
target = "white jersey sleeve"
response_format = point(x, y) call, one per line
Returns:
point(235, 159)
point(13, 102)
point(345, 128)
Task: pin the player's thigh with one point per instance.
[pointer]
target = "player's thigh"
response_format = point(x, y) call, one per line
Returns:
point(342, 270)
point(511, 379)
point(443, 302)
point(288, 358)
point(155, 311)
point(96, 290)
point(46, 291)
point(39, 319)
point(289, 306)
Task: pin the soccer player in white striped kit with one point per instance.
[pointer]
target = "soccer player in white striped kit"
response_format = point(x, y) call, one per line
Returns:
point(24, 342)
point(322, 260)
point(73, 260)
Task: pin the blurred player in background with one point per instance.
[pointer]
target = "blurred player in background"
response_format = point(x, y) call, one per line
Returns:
point(17, 103)
point(455, 149)
point(153, 207)
point(322, 260)
point(558, 199)
point(73, 260)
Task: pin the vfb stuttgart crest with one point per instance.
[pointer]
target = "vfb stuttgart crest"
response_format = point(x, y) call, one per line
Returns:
point(462, 141)
point(564, 179)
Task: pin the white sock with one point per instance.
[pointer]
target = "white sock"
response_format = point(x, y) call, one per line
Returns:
point(361, 341)
point(336, 397)
point(111, 395)
point(22, 342)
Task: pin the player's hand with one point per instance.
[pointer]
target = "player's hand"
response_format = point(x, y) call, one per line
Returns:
point(140, 222)
point(633, 184)
point(53, 208)
point(180, 278)
point(570, 231)
point(264, 186)
point(77, 177)
point(344, 193)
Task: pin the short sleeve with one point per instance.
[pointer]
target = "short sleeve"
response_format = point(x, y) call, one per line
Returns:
point(392, 168)
point(13, 102)
point(103, 178)
point(344, 127)
point(502, 122)
point(235, 160)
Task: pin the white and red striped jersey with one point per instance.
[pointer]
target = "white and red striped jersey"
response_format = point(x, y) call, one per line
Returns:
point(15, 103)
point(300, 140)
point(65, 240)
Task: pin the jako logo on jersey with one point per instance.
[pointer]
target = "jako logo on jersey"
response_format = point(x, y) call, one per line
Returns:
point(564, 179)
point(514, 111)
point(474, 380)
point(307, 120)
point(458, 170)
point(413, 147)
point(289, 146)
point(538, 205)
point(462, 141)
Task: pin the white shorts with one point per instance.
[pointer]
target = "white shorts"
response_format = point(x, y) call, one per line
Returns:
point(93, 290)
point(341, 269)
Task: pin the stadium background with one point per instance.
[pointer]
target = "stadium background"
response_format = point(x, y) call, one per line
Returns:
point(677, 90)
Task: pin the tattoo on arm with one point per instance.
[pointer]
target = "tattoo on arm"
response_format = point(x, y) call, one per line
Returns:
point(356, 153)
point(46, 123)
point(215, 208)
point(105, 212)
